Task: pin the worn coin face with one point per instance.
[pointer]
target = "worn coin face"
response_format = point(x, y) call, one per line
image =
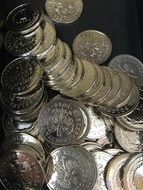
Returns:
point(24, 18)
point(65, 123)
point(72, 168)
point(131, 141)
point(131, 65)
point(64, 11)
point(20, 45)
point(21, 75)
point(20, 170)
point(133, 173)
point(93, 46)
point(113, 175)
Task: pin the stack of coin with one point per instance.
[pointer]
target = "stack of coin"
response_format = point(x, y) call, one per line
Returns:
point(22, 93)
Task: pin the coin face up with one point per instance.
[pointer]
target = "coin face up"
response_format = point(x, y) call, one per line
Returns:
point(133, 173)
point(72, 168)
point(20, 170)
point(24, 18)
point(64, 11)
point(63, 122)
point(21, 75)
point(131, 65)
point(93, 46)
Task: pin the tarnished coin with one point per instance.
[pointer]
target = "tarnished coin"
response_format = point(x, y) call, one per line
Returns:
point(113, 175)
point(66, 123)
point(21, 170)
point(20, 45)
point(64, 11)
point(131, 141)
point(131, 65)
point(48, 39)
point(101, 159)
point(21, 75)
point(133, 173)
point(23, 139)
point(134, 121)
point(24, 18)
point(131, 104)
point(74, 168)
point(93, 46)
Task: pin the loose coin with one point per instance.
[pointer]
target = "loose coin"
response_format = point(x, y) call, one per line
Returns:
point(64, 11)
point(93, 46)
point(131, 65)
point(113, 151)
point(21, 75)
point(66, 123)
point(72, 168)
point(131, 141)
point(24, 18)
point(91, 146)
point(113, 175)
point(133, 173)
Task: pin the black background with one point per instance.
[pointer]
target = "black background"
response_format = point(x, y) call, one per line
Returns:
point(121, 20)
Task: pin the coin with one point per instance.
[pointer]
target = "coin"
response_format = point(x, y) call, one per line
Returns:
point(132, 102)
point(20, 45)
point(20, 169)
point(24, 18)
point(64, 11)
point(73, 167)
point(93, 46)
point(113, 179)
point(109, 122)
point(113, 151)
point(65, 124)
point(134, 120)
point(131, 141)
point(21, 75)
point(101, 159)
point(91, 146)
point(131, 65)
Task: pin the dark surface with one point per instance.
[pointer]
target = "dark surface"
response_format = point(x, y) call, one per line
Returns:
point(119, 19)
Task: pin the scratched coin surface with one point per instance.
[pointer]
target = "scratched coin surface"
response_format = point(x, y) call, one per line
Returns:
point(133, 173)
point(131, 65)
point(24, 18)
point(21, 75)
point(66, 123)
point(64, 11)
point(131, 141)
point(72, 168)
point(20, 170)
point(93, 46)
point(113, 175)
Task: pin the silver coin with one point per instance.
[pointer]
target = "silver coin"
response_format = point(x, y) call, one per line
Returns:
point(109, 122)
point(66, 123)
point(91, 146)
point(131, 65)
point(122, 111)
point(93, 46)
point(20, 170)
point(24, 18)
point(73, 167)
point(23, 139)
point(20, 45)
point(113, 151)
point(113, 179)
point(131, 141)
point(133, 173)
point(102, 159)
point(21, 75)
point(64, 11)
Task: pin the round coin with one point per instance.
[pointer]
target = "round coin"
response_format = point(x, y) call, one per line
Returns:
point(131, 65)
point(20, 170)
point(24, 18)
point(74, 168)
point(64, 11)
point(93, 46)
point(133, 173)
point(66, 123)
point(21, 75)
